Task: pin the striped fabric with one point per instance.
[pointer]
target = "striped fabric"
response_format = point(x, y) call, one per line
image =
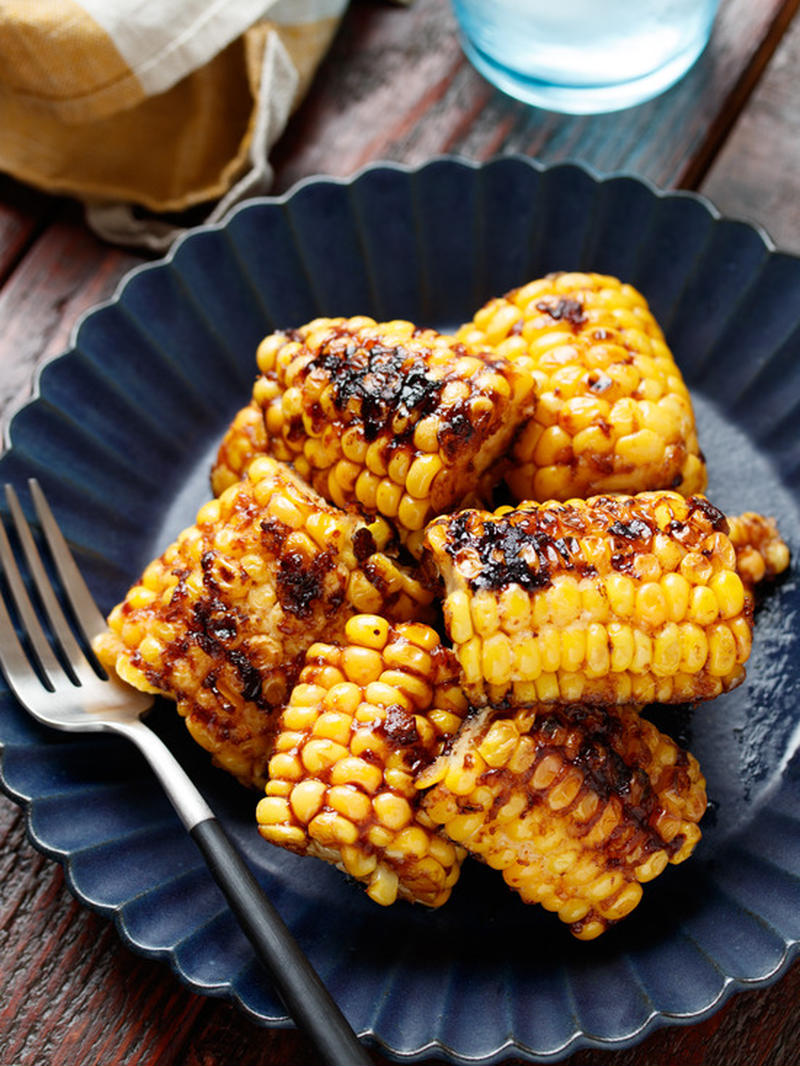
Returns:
point(163, 104)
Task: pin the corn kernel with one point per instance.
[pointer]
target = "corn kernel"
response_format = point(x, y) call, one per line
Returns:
point(703, 606)
point(330, 829)
point(357, 771)
point(667, 651)
point(319, 754)
point(306, 799)
point(420, 476)
point(499, 743)
point(383, 885)
point(721, 651)
point(272, 810)
point(334, 725)
point(693, 647)
point(349, 801)
point(368, 630)
point(412, 513)
point(729, 591)
point(621, 592)
point(358, 863)
point(362, 665)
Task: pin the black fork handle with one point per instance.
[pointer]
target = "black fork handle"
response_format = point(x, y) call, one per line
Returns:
point(305, 996)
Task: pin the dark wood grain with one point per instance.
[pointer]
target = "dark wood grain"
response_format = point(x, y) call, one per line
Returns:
point(395, 86)
point(757, 173)
point(23, 215)
point(74, 995)
point(65, 271)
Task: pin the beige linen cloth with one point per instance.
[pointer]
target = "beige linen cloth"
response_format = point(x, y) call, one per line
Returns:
point(163, 104)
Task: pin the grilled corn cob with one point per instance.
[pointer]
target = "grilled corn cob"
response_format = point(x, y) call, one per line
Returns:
point(610, 600)
point(395, 420)
point(761, 552)
point(612, 411)
point(577, 806)
point(220, 622)
point(364, 719)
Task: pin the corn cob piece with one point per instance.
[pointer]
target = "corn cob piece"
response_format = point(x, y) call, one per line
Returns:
point(364, 719)
point(245, 440)
point(389, 418)
point(614, 599)
point(577, 806)
point(612, 412)
point(761, 552)
point(221, 621)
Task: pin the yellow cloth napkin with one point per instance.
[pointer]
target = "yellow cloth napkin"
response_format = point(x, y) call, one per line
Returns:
point(162, 104)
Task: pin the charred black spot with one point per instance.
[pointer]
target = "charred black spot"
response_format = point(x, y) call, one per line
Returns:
point(600, 383)
point(400, 727)
point(566, 547)
point(633, 530)
point(622, 562)
point(500, 546)
point(563, 309)
point(376, 382)
point(299, 581)
point(712, 513)
point(273, 534)
point(363, 544)
point(456, 432)
point(214, 627)
point(248, 674)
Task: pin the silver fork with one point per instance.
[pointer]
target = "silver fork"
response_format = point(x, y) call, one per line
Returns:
point(86, 702)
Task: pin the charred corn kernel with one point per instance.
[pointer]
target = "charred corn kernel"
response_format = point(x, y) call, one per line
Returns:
point(403, 423)
point(760, 550)
point(641, 803)
point(352, 750)
point(605, 620)
point(219, 621)
point(614, 412)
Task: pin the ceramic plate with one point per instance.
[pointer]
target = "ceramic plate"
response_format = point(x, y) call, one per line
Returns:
point(121, 435)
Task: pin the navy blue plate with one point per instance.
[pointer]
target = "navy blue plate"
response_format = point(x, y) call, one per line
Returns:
point(121, 436)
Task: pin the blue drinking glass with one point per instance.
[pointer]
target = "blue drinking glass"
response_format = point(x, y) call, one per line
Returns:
point(584, 56)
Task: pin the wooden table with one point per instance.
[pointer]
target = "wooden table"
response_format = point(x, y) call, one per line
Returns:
point(395, 86)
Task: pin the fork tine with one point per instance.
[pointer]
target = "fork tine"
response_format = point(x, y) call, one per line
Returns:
point(55, 615)
point(86, 610)
point(14, 662)
point(41, 646)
